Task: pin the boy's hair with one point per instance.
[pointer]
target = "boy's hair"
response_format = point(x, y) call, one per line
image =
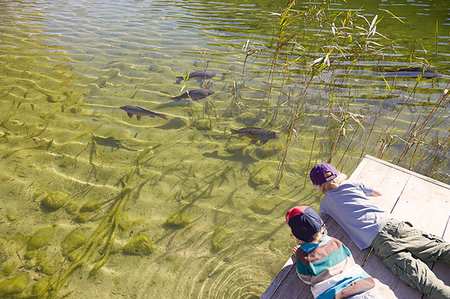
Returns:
point(317, 238)
point(333, 184)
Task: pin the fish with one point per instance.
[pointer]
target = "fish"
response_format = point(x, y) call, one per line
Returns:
point(139, 112)
point(200, 75)
point(195, 94)
point(256, 134)
point(413, 72)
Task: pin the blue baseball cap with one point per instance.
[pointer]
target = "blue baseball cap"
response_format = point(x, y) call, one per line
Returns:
point(304, 222)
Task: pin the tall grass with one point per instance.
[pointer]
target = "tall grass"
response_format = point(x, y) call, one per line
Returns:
point(329, 59)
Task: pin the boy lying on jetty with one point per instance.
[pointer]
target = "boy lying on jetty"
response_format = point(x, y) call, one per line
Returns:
point(326, 263)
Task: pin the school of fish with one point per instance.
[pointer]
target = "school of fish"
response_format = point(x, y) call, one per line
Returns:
point(254, 133)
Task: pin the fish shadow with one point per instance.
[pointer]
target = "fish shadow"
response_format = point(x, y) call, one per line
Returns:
point(236, 158)
point(172, 103)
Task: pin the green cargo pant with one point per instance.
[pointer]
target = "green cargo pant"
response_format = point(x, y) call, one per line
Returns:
point(404, 250)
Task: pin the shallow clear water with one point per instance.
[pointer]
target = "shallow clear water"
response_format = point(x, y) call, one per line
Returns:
point(67, 67)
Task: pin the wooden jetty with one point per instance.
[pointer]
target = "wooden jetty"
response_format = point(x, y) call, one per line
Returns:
point(409, 196)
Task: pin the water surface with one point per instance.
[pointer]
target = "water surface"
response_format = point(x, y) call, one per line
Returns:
point(65, 69)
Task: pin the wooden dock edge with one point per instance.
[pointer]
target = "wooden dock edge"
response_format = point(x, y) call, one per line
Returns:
point(363, 163)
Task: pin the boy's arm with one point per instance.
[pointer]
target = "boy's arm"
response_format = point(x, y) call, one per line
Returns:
point(306, 278)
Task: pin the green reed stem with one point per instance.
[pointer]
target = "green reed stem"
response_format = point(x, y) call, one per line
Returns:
point(309, 160)
point(295, 117)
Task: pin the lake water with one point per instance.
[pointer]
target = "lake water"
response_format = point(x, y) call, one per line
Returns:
point(212, 203)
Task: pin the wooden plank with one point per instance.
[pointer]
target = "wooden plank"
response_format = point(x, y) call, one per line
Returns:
point(389, 180)
point(425, 205)
point(287, 284)
point(399, 168)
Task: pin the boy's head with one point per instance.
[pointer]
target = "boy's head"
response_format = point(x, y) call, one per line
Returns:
point(304, 222)
point(322, 173)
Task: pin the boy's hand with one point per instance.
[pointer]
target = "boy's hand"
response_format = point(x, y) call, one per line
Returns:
point(294, 250)
point(375, 193)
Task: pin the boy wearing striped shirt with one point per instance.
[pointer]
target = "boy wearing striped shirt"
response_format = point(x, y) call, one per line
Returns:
point(326, 263)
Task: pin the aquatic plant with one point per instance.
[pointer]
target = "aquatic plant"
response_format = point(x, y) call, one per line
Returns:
point(96, 249)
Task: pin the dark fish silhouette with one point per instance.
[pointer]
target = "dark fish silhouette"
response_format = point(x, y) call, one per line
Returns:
point(111, 142)
point(200, 75)
point(256, 134)
point(195, 94)
point(412, 72)
point(139, 112)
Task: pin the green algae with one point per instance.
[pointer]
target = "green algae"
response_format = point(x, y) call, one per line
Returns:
point(265, 205)
point(262, 176)
point(203, 124)
point(91, 206)
point(175, 123)
point(236, 147)
point(140, 245)
point(40, 286)
point(71, 207)
point(281, 246)
point(12, 216)
point(21, 240)
point(10, 266)
point(170, 257)
point(83, 217)
point(66, 162)
point(55, 200)
point(177, 220)
point(219, 238)
point(248, 119)
point(45, 264)
point(14, 285)
point(40, 238)
point(72, 241)
point(268, 151)
point(124, 221)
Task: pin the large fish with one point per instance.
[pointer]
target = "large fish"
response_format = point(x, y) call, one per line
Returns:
point(195, 94)
point(139, 112)
point(413, 72)
point(256, 134)
point(200, 75)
